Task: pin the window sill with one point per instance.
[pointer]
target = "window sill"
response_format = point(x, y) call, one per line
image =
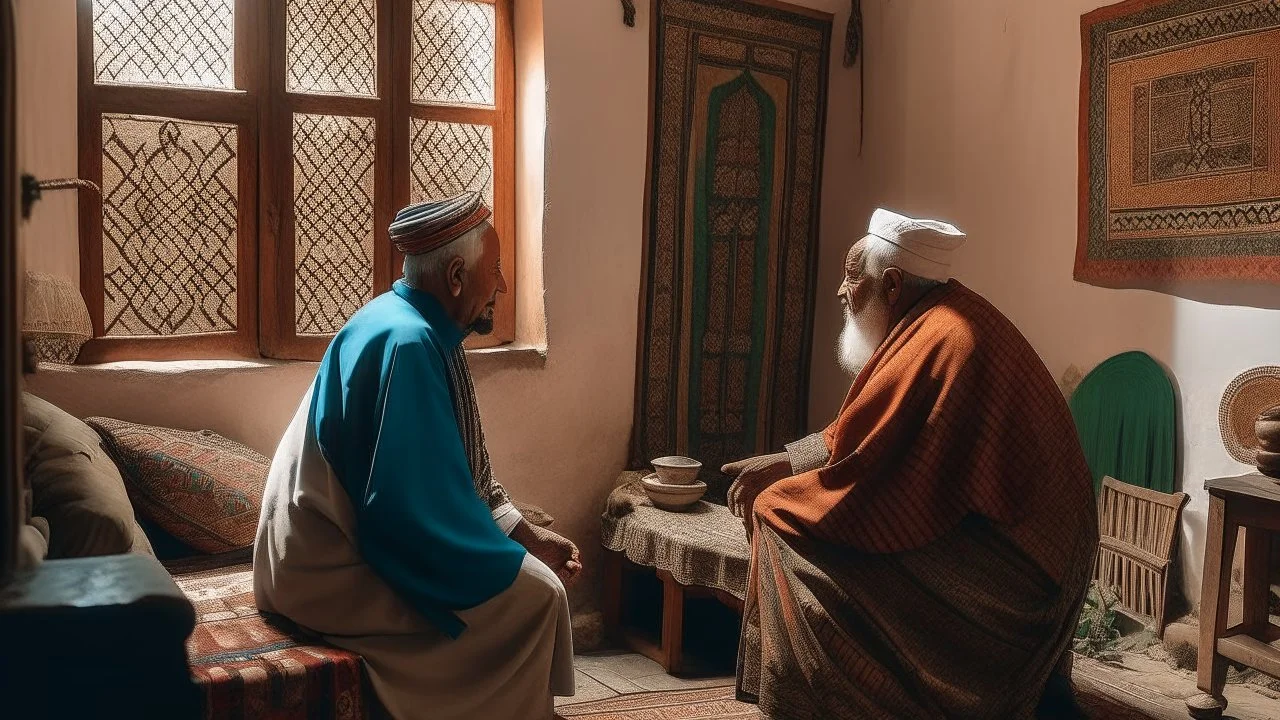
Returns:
point(130, 368)
point(511, 356)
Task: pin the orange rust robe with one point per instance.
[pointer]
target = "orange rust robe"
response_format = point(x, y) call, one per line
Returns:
point(936, 565)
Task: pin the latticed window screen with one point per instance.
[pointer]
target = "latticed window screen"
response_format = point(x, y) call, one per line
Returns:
point(169, 226)
point(450, 158)
point(219, 233)
point(460, 119)
point(454, 47)
point(333, 169)
point(332, 47)
point(166, 42)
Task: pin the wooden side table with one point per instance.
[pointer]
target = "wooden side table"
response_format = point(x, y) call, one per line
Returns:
point(657, 561)
point(667, 649)
point(1251, 502)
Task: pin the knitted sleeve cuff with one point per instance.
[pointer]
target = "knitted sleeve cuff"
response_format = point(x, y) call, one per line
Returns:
point(808, 453)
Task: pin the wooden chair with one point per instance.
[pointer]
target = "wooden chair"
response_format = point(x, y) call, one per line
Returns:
point(1137, 528)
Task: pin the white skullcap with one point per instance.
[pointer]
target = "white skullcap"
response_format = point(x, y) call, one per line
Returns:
point(920, 247)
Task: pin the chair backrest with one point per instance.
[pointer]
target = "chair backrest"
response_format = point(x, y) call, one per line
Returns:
point(1146, 519)
point(1137, 528)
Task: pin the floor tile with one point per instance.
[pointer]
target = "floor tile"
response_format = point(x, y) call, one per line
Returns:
point(613, 680)
point(663, 681)
point(589, 690)
point(628, 665)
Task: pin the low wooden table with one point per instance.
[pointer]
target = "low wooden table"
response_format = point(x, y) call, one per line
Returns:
point(656, 561)
point(1251, 502)
point(668, 648)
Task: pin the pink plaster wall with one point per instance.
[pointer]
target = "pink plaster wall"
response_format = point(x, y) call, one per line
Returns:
point(971, 115)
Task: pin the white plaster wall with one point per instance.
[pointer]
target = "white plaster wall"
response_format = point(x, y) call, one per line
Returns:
point(971, 115)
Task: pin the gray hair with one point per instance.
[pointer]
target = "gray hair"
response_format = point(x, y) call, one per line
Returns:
point(430, 268)
point(877, 256)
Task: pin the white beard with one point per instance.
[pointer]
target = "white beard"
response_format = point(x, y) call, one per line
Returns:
point(861, 336)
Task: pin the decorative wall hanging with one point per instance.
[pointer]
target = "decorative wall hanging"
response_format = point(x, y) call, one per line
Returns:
point(731, 228)
point(1180, 143)
point(1245, 398)
point(629, 13)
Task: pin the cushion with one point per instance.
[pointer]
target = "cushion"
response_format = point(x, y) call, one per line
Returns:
point(250, 668)
point(198, 486)
point(75, 486)
point(33, 543)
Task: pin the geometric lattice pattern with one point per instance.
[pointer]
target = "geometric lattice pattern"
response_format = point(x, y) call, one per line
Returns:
point(731, 238)
point(166, 42)
point(454, 46)
point(332, 47)
point(734, 204)
point(333, 191)
point(169, 226)
point(449, 158)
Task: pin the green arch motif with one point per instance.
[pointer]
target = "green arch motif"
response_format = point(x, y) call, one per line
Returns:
point(704, 200)
point(1125, 415)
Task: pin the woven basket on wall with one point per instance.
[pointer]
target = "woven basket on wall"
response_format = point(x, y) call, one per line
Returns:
point(1248, 395)
point(55, 320)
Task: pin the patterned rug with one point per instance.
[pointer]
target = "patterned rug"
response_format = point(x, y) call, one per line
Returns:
point(731, 225)
point(705, 704)
point(1179, 143)
point(719, 703)
point(249, 669)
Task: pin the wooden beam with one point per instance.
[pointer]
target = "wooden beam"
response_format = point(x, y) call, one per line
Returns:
point(1252, 652)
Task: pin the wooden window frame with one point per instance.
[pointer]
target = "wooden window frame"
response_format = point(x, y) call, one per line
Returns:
point(262, 110)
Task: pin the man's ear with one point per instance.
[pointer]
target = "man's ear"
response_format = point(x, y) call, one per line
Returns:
point(892, 283)
point(456, 274)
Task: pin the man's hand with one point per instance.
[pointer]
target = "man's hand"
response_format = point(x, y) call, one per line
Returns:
point(754, 476)
point(555, 551)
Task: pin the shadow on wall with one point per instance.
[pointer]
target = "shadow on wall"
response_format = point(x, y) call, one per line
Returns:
point(1264, 296)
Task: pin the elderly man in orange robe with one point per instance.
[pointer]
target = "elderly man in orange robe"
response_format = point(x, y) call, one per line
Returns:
point(927, 555)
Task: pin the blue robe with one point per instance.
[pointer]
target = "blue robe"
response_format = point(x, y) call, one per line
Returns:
point(384, 419)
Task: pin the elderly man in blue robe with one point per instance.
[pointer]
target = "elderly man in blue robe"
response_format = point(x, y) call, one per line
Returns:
point(383, 529)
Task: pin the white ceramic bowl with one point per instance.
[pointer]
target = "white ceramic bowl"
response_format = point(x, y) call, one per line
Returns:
point(673, 497)
point(677, 470)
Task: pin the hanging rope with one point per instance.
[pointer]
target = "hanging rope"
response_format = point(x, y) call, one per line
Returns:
point(629, 12)
point(853, 53)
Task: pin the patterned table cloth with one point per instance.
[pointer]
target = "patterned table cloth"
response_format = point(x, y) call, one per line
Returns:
point(703, 545)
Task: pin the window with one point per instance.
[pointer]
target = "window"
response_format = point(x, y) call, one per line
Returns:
point(252, 154)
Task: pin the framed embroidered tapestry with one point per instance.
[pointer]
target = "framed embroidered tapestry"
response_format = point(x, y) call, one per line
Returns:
point(738, 103)
point(1180, 143)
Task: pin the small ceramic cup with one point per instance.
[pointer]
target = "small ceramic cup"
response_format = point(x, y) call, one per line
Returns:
point(677, 470)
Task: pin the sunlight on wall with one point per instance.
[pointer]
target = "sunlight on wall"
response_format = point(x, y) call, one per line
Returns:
point(531, 133)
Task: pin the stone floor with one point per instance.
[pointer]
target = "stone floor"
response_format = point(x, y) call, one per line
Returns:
point(1160, 691)
point(1137, 681)
point(603, 675)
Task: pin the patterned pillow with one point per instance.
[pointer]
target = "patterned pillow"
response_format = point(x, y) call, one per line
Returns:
point(200, 487)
